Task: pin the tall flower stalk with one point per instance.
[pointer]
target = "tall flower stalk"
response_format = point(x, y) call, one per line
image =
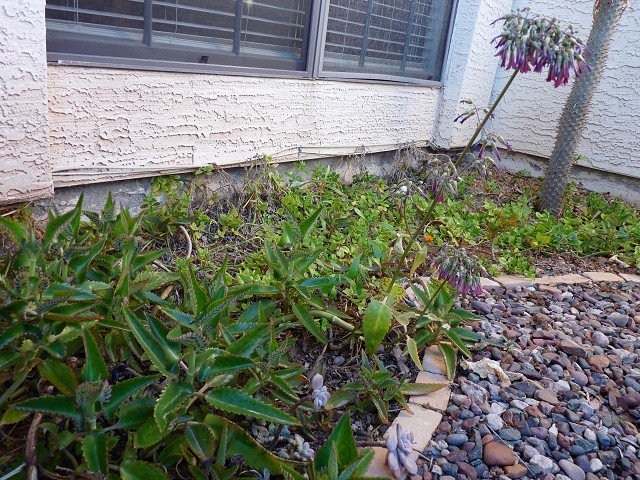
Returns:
point(527, 43)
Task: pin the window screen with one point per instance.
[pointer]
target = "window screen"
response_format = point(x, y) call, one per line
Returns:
point(249, 33)
point(387, 38)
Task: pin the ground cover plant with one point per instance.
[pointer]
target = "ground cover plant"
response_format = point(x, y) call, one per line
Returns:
point(129, 366)
point(270, 332)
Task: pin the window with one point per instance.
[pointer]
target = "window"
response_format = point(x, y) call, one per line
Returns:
point(400, 40)
point(251, 33)
point(386, 38)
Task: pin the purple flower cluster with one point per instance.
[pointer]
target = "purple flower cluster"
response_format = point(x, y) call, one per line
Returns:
point(462, 272)
point(442, 176)
point(534, 43)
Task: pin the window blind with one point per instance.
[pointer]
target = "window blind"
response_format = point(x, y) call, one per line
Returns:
point(391, 38)
point(117, 18)
point(226, 32)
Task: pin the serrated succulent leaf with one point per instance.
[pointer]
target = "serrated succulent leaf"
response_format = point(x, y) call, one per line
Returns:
point(254, 454)
point(59, 375)
point(412, 347)
point(94, 449)
point(376, 324)
point(95, 369)
point(200, 440)
point(235, 401)
point(307, 321)
point(138, 470)
point(170, 400)
point(449, 355)
point(123, 390)
point(55, 405)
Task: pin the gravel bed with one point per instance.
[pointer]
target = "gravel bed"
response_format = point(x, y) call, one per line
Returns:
point(569, 407)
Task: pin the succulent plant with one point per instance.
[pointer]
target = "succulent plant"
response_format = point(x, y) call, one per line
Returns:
point(320, 394)
point(400, 452)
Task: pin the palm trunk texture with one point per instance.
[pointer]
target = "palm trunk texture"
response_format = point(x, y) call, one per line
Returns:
point(574, 115)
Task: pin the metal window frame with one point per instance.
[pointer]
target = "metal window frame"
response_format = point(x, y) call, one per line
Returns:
point(321, 74)
point(314, 42)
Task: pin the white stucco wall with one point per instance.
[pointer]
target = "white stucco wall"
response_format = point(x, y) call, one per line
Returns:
point(471, 68)
point(24, 168)
point(529, 114)
point(123, 118)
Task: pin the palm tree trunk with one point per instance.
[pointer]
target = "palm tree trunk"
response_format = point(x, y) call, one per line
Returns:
point(606, 16)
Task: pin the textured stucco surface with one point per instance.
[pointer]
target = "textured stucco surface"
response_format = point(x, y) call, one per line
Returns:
point(103, 117)
point(24, 169)
point(529, 114)
point(471, 68)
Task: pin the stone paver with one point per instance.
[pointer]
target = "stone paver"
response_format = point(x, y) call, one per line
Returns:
point(568, 279)
point(438, 400)
point(631, 278)
point(433, 362)
point(602, 276)
point(421, 421)
point(512, 281)
point(489, 284)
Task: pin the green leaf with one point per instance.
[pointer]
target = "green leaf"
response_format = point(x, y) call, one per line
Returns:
point(11, 333)
point(160, 332)
point(225, 363)
point(138, 470)
point(148, 434)
point(306, 226)
point(376, 324)
point(246, 344)
point(412, 347)
point(235, 401)
point(135, 413)
point(258, 289)
point(467, 334)
point(449, 355)
point(252, 313)
point(123, 390)
point(453, 336)
point(55, 224)
point(94, 449)
point(421, 293)
point(276, 258)
point(464, 314)
point(200, 440)
point(254, 454)
point(56, 405)
point(421, 388)
point(148, 343)
point(12, 416)
point(94, 370)
point(16, 229)
point(357, 469)
point(381, 406)
point(59, 375)
point(80, 263)
point(340, 398)
point(8, 358)
point(342, 438)
point(308, 322)
point(143, 259)
point(170, 400)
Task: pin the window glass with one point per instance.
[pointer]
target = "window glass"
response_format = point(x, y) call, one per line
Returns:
point(387, 38)
point(117, 18)
point(248, 33)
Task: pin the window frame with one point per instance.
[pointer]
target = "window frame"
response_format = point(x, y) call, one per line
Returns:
point(314, 44)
